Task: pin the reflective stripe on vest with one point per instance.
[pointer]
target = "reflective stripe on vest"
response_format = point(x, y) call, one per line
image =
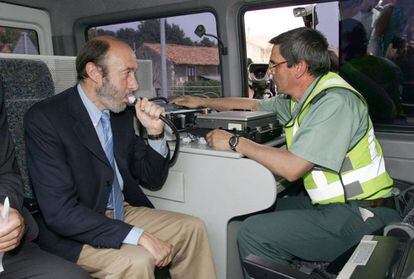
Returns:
point(326, 191)
point(363, 171)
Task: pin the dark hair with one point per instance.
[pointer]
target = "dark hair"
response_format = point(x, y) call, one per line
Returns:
point(304, 44)
point(348, 4)
point(93, 51)
point(354, 40)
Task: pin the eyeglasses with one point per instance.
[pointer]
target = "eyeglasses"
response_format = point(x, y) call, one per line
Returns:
point(274, 65)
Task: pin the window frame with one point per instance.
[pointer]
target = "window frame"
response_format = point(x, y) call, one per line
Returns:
point(82, 25)
point(26, 30)
point(242, 43)
point(32, 19)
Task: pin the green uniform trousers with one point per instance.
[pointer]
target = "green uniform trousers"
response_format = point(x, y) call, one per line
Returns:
point(298, 229)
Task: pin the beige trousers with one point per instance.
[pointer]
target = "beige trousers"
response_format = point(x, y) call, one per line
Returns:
point(191, 255)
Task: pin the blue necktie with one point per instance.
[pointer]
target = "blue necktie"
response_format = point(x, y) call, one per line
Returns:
point(115, 198)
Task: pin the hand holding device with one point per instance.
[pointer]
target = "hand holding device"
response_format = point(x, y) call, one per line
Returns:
point(148, 113)
point(133, 101)
point(11, 228)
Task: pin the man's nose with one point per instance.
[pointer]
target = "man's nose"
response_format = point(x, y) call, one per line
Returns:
point(133, 84)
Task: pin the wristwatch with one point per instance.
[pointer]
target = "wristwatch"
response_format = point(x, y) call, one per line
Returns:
point(233, 142)
point(156, 137)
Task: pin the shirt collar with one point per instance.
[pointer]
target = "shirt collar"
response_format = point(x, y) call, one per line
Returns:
point(307, 92)
point(298, 104)
point(93, 111)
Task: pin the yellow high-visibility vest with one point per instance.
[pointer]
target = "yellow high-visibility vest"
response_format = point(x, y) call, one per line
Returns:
point(363, 174)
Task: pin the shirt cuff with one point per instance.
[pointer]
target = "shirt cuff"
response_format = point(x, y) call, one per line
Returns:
point(160, 146)
point(133, 236)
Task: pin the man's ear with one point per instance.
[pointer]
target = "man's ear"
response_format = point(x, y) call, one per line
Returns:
point(301, 68)
point(94, 72)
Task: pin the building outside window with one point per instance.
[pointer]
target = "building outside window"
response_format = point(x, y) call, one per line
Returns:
point(185, 64)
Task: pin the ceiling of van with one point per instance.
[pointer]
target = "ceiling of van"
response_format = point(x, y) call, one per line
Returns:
point(91, 7)
point(71, 17)
point(64, 13)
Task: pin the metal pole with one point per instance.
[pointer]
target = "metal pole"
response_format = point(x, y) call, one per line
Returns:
point(26, 49)
point(164, 82)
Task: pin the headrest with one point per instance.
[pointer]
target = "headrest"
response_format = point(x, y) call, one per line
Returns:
point(25, 79)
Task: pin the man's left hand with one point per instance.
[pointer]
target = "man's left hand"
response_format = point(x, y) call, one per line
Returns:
point(148, 114)
point(219, 139)
point(12, 232)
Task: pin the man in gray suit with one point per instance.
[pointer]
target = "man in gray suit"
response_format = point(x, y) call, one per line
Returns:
point(22, 258)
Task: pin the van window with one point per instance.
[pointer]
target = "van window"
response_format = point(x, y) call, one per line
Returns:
point(192, 64)
point(377, 56)
point(372, 47)
point(261, 25)
point(17, 40)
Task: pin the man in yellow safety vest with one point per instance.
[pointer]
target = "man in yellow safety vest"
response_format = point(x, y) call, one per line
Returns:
point(330, 144)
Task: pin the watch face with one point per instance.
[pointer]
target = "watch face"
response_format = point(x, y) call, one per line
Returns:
point(234, 140)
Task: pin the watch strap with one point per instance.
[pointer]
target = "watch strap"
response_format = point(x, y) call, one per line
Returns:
point(156, 137)
point(234, 141)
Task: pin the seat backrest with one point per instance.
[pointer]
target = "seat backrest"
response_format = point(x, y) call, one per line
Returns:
point(406, 227)
point(24, 83)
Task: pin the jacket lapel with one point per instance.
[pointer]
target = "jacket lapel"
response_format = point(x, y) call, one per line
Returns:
point(84, 128)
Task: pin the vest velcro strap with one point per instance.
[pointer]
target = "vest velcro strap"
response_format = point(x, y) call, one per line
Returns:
point(325, 191)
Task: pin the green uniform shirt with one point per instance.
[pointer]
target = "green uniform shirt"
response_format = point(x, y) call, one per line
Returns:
point(332, 125)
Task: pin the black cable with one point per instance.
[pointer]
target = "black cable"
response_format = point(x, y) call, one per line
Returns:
point(168, 122)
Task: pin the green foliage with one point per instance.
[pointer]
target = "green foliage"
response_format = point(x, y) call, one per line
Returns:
point(11, 36)
point(206, 42)
point(200, 88)
point(175, 35)
point(92, 32)
point(148, 31)
point(128, 35)
point(202, 83)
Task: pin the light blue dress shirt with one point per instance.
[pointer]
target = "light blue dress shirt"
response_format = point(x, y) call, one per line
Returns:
point(159, 146)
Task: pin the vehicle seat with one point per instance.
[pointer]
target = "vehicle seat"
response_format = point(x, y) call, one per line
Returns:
point(405, 228)
point(24, 83)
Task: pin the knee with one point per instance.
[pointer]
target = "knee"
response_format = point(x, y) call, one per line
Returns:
point(247, 231)
point(194, 225)
point(144, 263)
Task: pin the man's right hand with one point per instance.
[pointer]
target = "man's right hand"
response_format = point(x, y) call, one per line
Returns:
point(189, 102)
point(160, 250)
point(12, 232)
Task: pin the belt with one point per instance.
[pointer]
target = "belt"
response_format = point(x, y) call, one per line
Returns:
point(381, 202)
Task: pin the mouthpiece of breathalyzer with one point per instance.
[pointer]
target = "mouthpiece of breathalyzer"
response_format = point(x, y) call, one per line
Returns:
point(132, 100)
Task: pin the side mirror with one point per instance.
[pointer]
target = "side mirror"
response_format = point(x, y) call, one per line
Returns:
point(200, 31)
point(308, 14)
